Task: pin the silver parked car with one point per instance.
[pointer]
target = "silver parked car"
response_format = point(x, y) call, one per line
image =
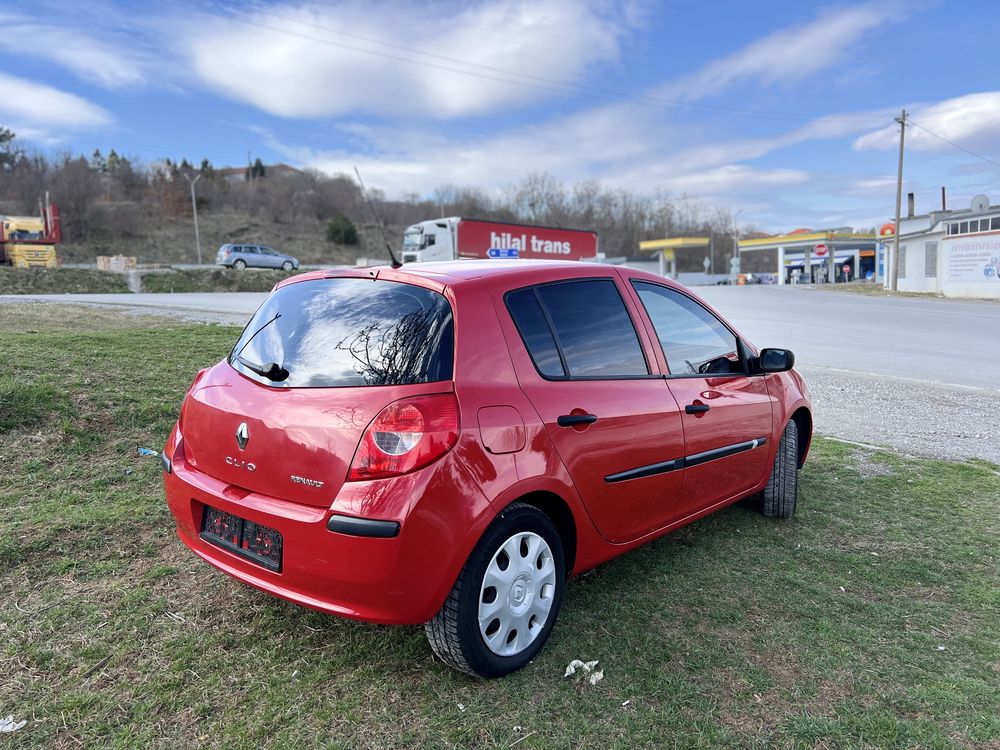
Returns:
point(242, 255)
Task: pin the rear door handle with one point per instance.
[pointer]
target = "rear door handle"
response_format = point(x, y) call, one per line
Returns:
point(573, 420)
point(696, 408)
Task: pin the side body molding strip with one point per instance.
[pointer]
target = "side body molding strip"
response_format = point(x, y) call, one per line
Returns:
point(694, 459)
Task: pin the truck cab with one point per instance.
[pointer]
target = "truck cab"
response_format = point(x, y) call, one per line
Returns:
point(27, 241)
point(430, 240)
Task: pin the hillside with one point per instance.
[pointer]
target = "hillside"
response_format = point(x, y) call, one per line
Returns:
point(172, 240)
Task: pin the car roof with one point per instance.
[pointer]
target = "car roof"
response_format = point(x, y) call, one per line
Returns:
point(457, 272)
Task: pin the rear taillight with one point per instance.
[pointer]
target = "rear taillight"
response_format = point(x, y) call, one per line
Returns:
point(199, 376)
point(405, 436)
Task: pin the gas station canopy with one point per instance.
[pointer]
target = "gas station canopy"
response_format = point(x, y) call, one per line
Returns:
point(827, 248)
point(666, 249)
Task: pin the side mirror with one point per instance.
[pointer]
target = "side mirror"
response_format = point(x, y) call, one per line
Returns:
point(776, 360)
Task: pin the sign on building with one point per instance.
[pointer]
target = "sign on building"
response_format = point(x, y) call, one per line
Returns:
point(976, 259)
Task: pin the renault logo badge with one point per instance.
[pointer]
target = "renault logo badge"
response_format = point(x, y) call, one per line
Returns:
point(242, 435)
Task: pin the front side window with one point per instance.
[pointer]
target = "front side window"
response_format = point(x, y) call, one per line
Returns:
point(694, 341)
point(330, 333)
point(590, 329)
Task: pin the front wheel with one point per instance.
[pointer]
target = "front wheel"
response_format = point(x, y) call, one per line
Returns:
point(506, 599)
point(782, 491)
point(286, 266)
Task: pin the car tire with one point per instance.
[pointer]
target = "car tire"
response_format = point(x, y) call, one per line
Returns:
point(782, 491)
point(239, 265)
point(532, 581)
point(287, 266)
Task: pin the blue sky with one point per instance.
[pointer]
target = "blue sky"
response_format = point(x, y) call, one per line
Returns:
point(781, 111)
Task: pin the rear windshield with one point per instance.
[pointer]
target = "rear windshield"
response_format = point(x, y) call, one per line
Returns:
point(348, 332)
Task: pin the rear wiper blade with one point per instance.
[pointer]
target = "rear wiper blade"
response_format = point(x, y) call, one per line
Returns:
point(254, 334)
point(271, 370)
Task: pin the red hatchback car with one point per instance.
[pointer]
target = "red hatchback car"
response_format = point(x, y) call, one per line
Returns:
point(445, 443)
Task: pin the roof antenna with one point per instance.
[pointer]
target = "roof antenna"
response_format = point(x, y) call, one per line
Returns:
point(394, 262)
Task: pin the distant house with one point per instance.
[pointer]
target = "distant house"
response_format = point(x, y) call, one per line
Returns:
point(236, 174)
point(954, 252)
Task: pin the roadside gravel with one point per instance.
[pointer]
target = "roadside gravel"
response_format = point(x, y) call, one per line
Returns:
point(909, 416)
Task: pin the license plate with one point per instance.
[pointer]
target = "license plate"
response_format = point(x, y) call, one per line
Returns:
point(259, 544)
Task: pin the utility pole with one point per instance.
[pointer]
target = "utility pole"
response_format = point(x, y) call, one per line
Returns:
point(894, 284)
point(736, 244)
point(194, 210)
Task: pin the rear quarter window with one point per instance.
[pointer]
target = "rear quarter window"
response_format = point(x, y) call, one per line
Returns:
point(581, 330)
point(330, 333)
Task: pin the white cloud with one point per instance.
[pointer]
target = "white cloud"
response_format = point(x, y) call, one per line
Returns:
point(731, 179)
point(42, 113)
point(104, 63)
point(972, 121)
point(623, 144)
point(788, 55)
point(275, 58)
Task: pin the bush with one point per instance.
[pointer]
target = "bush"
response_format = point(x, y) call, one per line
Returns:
point(342, 231)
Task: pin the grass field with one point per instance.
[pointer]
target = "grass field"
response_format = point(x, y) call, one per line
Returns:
point(871, 620)
point(873, 290)
point(213, 280)
point(92, 281)
point(60, 281)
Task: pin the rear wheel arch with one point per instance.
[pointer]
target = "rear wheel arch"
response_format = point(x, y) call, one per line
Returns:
point(559, 512)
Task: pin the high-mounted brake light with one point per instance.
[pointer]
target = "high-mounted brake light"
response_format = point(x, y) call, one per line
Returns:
point(405, 436)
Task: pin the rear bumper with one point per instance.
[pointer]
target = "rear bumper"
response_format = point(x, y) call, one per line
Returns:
point(402, 579)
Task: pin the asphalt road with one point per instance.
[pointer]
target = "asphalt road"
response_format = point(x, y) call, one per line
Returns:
point(944, 341)
point(223, 307)
point(921, 376)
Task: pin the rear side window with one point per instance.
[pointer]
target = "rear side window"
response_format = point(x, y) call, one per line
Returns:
point(534, 329)
point(590, 329)
point(349, 332)
point(694, 341)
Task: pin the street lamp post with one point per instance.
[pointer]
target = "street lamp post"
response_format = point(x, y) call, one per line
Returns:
point(194, 210)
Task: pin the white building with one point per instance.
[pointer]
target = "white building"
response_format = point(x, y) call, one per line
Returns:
point(954, 253)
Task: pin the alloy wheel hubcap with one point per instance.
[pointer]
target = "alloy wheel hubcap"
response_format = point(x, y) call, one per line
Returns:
point(517, 593)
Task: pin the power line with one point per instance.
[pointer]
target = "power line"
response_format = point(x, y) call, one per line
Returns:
point(494, 74)
point(956, 145)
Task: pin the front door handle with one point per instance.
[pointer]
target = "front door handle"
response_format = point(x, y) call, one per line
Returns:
point(696, 408)
point(575, 420)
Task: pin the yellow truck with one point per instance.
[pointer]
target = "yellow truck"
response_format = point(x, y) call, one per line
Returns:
point(27, 241)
